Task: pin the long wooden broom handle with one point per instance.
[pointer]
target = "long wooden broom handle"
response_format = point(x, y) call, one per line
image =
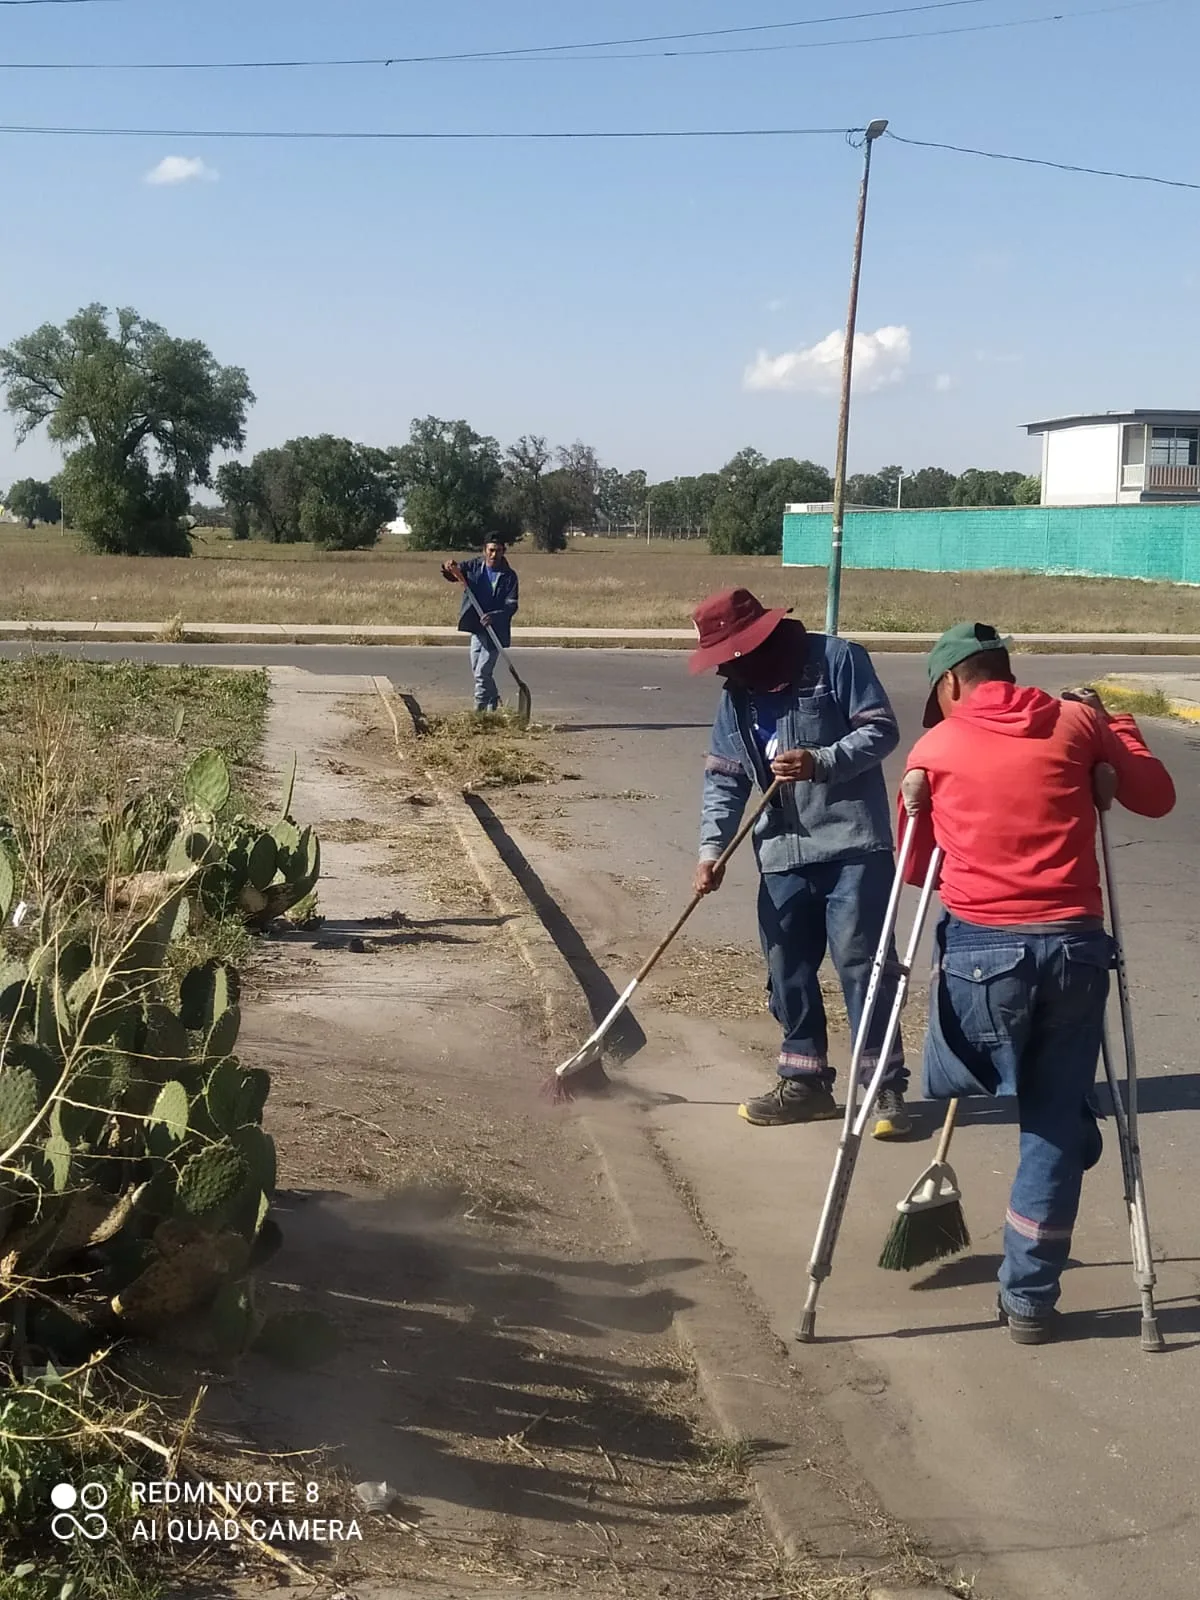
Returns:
point(943, 1149)
point(653, 959)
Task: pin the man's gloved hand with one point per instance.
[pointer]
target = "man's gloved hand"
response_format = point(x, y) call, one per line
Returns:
point(709, 878)
point(914, 791)
point(452, 572)
point(794, 766)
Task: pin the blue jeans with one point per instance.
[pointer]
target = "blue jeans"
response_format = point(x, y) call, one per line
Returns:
point(837, 906)
point(1023, 1014)
point(483, 667)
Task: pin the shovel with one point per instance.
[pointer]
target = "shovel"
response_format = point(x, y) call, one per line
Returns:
point(524, 698)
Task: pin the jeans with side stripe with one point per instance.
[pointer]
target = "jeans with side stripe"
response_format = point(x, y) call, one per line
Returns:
point(1023, 1014)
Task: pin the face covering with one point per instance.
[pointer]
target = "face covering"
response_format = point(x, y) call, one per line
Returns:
point(776, 664)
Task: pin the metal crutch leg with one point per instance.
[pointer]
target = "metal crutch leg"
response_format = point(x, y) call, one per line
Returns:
point(878, 968)
point(838, 1193)
point(1125, 1108)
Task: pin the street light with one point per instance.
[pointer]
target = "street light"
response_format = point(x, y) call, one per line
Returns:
point(834, 596)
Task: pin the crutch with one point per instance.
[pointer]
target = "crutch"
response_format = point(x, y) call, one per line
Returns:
point(1125, 1109)
point(858, 1116)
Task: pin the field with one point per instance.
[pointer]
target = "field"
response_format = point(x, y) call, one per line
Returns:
point(597, 583)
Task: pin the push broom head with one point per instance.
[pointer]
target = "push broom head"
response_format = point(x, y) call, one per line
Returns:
point(930, 1225)
point(582, 1073)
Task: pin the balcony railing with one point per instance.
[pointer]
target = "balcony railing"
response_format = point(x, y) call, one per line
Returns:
point(1173, 480)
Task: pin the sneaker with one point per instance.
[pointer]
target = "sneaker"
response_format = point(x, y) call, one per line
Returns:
point(892, 1120)
point(1025, 1329)
point(791, 1100)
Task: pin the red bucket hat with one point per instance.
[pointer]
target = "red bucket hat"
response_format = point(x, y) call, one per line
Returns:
point(729, 625)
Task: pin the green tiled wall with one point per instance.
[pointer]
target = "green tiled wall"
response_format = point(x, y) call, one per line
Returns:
point(1100, 541)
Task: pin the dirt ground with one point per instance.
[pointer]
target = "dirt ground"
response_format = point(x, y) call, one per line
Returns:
point(506, 1360)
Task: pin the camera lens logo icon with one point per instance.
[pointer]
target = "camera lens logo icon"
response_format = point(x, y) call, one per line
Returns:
point(89, 1502)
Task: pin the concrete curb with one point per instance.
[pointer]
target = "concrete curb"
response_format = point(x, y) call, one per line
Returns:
point(1150, 644)
point(566, 1012)
point(756, 1395)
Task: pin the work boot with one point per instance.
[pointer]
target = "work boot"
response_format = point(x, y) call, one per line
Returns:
point(892, 1120)
point(791, 1100)
point(1025, 1329)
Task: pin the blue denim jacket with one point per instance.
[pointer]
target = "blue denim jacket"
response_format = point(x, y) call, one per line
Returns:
point(503, 601)
point(840, 711)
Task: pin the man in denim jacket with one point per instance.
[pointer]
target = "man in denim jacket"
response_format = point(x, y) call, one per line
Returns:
point(811, 710)
point(493, 583)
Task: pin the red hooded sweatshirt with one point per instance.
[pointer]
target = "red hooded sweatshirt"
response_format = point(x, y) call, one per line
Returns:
point(1010, 774)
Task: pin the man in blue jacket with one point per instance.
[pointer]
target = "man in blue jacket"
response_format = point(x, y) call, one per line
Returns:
point(811, 710)
point(494, 584)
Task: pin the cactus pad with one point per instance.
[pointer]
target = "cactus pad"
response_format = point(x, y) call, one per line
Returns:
point(173, 1285)
point(212, 1180)
point(171, 1110)
point(20, 1098)
point(8, 883)
point(264, 859)
point(206, 783)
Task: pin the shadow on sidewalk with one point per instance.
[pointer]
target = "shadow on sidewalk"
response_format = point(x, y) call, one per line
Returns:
point(627, 1037)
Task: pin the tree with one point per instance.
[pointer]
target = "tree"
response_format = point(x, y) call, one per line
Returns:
point(543, 503)
point(236, 485)
point(449, 478)
point(34, 501)
point(325, 491)
point(146, 413)
point(930, 487)
point(1028, 492)
point(747, 516)
point(347, 493)
point(976, 487)
point(582, 466)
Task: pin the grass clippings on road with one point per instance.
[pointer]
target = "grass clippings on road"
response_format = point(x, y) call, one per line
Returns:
point(485, 749)
point(596, 583)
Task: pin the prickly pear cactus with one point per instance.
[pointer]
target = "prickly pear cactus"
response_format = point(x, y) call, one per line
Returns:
point(206, 784)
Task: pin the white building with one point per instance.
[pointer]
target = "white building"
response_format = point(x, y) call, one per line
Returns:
point(1120, 458)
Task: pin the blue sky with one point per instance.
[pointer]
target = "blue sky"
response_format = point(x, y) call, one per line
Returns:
point(622, 293)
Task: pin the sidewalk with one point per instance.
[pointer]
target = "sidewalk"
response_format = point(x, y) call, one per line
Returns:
point(672, 638)
point(1182, 689)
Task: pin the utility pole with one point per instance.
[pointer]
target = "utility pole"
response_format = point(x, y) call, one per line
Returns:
point(900, 490)
point(834, 595)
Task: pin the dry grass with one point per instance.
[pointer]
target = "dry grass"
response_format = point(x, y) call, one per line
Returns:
point(727, 982)
point(1135, 702)
point(596, 583)
point(484, 750)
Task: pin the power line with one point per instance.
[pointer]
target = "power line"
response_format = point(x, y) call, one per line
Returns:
point(552, 54)
point(609, 135)
point(419, 136)
point(1040, 161)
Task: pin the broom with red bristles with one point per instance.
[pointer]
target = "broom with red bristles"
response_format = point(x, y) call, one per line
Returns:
point(584, 1071)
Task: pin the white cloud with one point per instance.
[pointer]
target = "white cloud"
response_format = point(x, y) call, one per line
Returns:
point(775, 305)
point(880, 358)
point(181, 169)
point(944, 382)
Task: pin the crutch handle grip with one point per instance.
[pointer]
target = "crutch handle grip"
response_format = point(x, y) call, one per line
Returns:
point(1104, 785)
point(915, 793)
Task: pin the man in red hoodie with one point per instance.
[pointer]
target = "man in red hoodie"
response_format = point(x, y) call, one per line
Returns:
point(1023, 960)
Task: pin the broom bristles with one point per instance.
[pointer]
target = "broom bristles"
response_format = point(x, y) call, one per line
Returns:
point(561, 1088)
point(918, 1238)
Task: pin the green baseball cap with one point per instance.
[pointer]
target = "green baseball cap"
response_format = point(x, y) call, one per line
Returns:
point(958, 644)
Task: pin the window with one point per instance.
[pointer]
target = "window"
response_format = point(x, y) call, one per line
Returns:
point(1135, 446)
point(1175, 447)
